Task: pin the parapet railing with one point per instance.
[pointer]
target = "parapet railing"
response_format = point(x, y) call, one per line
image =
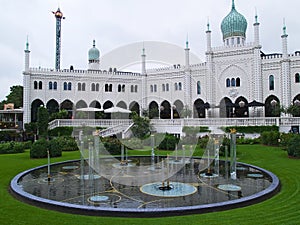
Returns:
point(209, 122)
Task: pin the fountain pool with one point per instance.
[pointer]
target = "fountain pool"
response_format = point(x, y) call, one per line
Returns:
point(74, 189)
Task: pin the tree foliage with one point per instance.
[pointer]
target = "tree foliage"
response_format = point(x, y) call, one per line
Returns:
point(294, 110)
point(141, 127)
point(42, 122)
point(15, 96)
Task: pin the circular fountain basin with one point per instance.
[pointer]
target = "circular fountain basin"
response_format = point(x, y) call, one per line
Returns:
point(189, 192)
point(176, 189)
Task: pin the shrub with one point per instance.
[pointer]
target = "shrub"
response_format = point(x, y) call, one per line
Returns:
point(247, 141)
point(251, 129)
point(133, 143)
point(61, 131)
point(285, 139)
point(168, 143)
point(112, 145)
point(270, 138)
point(225, 143)
point(67, 144)
point(293, 148)
point(13, 147)
point(202, 142)
point(40, 147)
point(54, 147)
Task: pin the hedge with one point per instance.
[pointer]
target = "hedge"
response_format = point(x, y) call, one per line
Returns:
point(40, 147)
point(14, 147)
point(251, 129)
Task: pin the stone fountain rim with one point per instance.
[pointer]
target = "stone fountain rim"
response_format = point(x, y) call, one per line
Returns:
point(18, 193)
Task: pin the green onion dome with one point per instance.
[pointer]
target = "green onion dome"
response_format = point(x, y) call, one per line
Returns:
point(234, 24)
point(94, 53)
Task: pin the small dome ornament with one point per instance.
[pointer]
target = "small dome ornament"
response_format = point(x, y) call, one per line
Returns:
point(234, 24)
point(94, 53)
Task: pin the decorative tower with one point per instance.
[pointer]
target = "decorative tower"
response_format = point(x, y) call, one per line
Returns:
point(257, 93)
point(234, 27)
point(59, 16)
point(94, 57)
point(144, 83)
point(286, 95)
point(187, 81)
point(26, 85)
point(27, 56)
point(211, 82)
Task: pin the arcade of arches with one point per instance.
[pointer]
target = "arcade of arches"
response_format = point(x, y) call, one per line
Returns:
point(165, 110)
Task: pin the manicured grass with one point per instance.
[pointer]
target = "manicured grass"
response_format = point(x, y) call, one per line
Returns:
point(282, 209)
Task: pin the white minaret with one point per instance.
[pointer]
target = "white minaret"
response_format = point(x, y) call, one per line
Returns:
point(26, 89)
point(27, 56)
point(144, 82)
point(286, 95)
point(257, 86)
point(187, 80)
point(211, 82)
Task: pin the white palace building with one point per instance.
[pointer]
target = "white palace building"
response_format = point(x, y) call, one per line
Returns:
point(237, 80)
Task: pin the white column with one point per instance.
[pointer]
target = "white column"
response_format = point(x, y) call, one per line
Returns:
point(286, 95)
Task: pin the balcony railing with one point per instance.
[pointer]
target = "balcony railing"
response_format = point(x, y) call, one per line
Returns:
point(208, 122)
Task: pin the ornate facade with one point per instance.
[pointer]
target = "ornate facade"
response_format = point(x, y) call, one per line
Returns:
point(237, 80)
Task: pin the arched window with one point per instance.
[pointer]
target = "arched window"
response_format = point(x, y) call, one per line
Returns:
point(97, 87)
point(227, 82)
point(232, 82)
point(69, 86)
point(297, 78)
point(151, 88)
point(79, 86)
point(163, 87)
point(167, 87)
point(106, 88)
point(40, 85)
point(123, 88)
point(155, 88)
point(65, 86)
point(93, 87)
point(198, 88)
point(110, 88)
point(83, 86)
point(119, 88)
point(271, 83)
point(50, 85)
point(176, 86)
point(131, 88)
point(35, 85)
point(55, 85)
point(238, 82)
point(179, 86)
point(136, 88)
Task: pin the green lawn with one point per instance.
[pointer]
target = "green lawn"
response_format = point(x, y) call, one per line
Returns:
point(282, 209)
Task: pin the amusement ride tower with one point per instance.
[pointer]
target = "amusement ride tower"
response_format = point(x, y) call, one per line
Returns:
point(59, 16)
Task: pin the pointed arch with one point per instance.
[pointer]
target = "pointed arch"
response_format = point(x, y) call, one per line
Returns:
point(241, 107)
point(34, 109)
point(153, 110)
point(177, 109)
point(199, 109)
point(165, 110)
point(67, 105)
point(52, 106)
point(272, 106)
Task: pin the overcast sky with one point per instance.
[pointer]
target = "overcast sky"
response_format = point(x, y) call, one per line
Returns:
point(114, 23)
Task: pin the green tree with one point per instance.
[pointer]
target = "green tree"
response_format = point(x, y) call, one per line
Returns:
point(141, 126)
point(42, 122)
point(15, 96)
point(294, 110)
